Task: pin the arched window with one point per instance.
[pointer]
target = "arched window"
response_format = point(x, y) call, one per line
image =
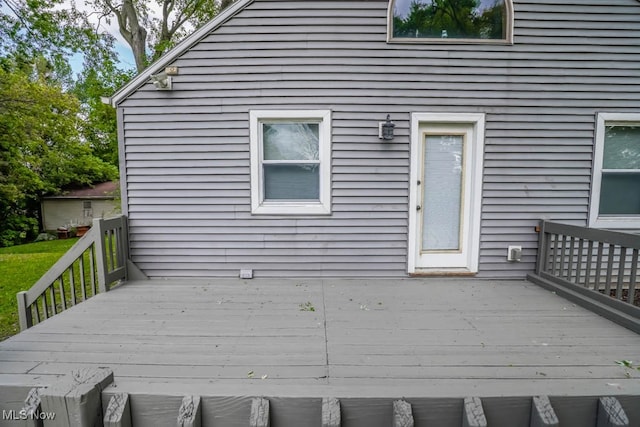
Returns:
point(457, 20)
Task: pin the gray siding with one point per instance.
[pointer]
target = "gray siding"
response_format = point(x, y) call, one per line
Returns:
point(187, 151)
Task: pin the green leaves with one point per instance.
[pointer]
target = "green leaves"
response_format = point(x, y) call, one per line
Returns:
point(628, 367)
point(627, 364)
point(42, 149)
point(50, 32)
point(307, 306)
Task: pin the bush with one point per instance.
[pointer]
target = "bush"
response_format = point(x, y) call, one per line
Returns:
point(17, 229)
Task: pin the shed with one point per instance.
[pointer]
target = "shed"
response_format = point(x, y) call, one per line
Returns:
point(256, 143)
point(80, 206)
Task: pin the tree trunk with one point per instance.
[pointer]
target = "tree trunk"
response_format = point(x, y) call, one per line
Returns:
point(133, 33)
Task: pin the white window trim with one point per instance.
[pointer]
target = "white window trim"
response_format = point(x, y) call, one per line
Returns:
point(258, 204)
point(620, 222)
point(508, 40)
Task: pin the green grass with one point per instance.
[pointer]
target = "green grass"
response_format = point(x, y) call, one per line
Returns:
point(20, 268)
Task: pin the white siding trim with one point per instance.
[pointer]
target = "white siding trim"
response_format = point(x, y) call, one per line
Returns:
point(594, 201)
point(478, 121)
point(122, 162)
point(258, 205)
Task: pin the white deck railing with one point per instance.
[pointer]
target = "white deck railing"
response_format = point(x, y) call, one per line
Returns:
point(96, 262)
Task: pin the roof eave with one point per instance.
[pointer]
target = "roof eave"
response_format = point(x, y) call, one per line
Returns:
point(106, 197)
point(178, 50)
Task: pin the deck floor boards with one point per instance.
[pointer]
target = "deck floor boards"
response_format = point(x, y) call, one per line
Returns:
point(331, 337)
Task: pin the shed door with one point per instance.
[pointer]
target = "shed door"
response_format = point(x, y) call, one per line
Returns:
point(444, 197)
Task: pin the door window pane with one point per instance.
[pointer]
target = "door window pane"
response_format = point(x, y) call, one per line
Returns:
point(442, 192)
point(291, 182)
point(291, 141)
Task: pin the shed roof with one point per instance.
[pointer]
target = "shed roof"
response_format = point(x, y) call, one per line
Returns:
point(178, 50)
point(104, 190)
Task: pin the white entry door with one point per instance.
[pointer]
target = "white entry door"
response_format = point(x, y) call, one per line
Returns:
point(446, 187)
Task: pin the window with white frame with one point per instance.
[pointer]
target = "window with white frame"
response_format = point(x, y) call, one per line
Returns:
point(290, 162)
point(615, 192)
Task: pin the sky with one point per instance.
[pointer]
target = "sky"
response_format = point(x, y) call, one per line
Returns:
point(122, 48)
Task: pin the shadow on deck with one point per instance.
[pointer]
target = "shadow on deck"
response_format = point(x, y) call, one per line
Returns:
point(368, 343)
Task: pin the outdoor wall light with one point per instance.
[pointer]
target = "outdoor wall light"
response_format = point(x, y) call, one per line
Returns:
point(162, 81)
point(385, 129)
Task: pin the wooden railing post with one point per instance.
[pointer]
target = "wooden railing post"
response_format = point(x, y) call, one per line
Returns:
point(541, 263)
point(123, 245)
point(101, 256)
point(24, 312)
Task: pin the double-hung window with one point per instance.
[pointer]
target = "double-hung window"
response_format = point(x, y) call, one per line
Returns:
point(615, 194)
point(290, 162)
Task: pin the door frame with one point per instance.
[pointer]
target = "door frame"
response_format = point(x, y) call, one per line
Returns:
point(472, 240)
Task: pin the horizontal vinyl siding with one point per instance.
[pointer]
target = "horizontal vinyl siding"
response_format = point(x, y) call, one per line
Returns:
point(187, 151)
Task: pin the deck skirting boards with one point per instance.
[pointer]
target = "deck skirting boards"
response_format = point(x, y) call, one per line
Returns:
point(121, 409)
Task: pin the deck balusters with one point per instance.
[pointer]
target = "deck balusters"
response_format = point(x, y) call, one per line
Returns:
point(63, 295)
point(571, 255)
point(554, 256)
point(563, 251)
point(633, 276)
point(606, 272)
point(607, 283)
point(65, 284)
point(579, 261)
point(621, 265)
point(599, 256)
point(52, 296)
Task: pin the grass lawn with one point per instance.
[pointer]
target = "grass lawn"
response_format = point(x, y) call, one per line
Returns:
point(20, 268)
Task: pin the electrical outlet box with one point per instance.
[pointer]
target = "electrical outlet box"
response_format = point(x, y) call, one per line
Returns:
point(171, 71)
point(246, 274)
point(514, 253)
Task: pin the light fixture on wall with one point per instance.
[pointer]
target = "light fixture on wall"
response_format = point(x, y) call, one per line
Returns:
point(162, 81)
point(385, 129)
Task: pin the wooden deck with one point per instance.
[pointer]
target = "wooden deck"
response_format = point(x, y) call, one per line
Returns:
point(409, 338)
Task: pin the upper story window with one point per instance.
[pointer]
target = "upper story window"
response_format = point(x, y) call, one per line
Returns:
point(434, 21)
point(615, 191)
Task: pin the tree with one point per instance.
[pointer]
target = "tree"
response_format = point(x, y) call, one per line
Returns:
point(41, 148)
point(51, 32)
point(100, 77)
point(146, 33)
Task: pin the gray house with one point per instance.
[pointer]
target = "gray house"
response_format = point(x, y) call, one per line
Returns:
point(262, 142)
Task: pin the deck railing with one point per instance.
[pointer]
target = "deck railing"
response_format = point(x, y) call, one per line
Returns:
point(599, 266)
point(96, 262)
